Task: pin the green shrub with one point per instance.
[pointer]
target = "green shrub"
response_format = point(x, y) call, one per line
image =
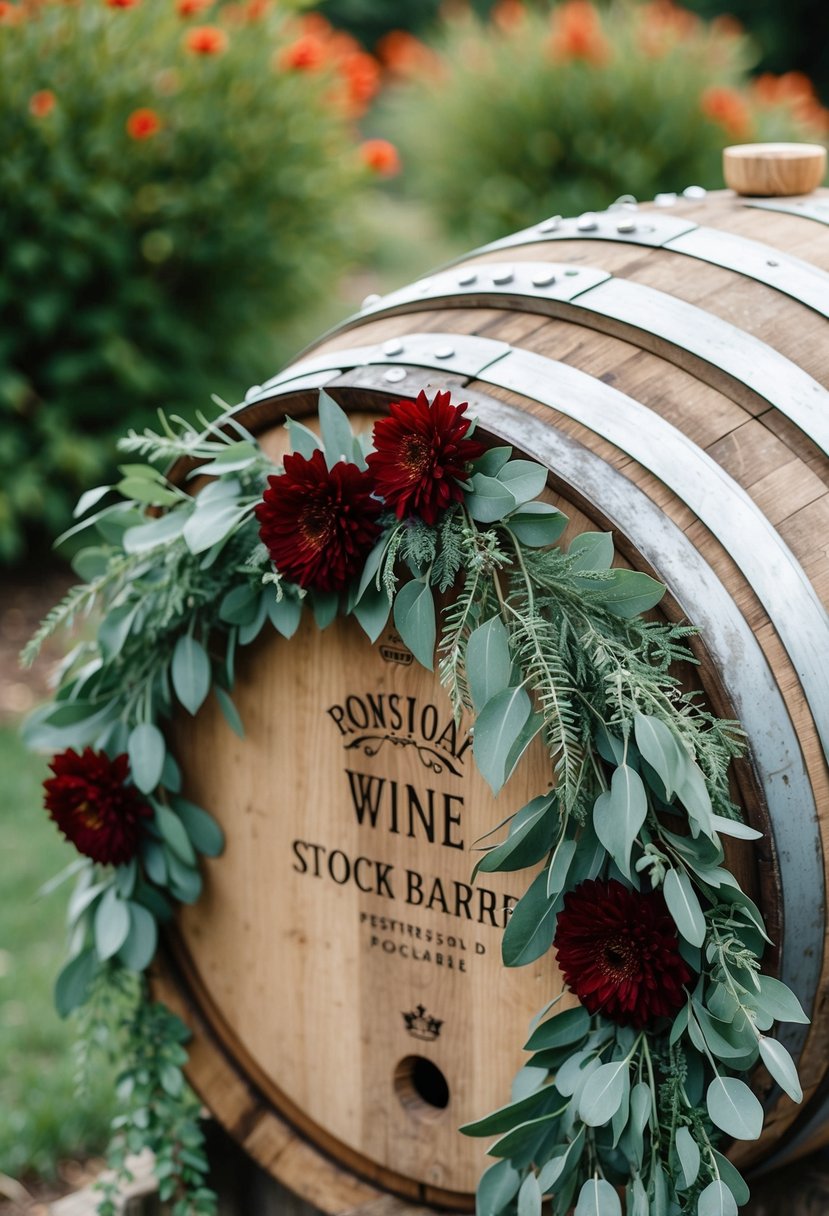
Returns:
point(174, 184)
point(537, 113)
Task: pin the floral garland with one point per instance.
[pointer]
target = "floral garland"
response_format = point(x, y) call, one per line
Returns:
point(632, 1089)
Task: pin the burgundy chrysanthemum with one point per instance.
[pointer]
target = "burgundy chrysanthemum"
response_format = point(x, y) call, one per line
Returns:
point(420, 456)
point(619, 953)
point(92, 803)
point(318, 524)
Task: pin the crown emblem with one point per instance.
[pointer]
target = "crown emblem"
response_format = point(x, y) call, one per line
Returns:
point(394, 651)
point(421, 1025)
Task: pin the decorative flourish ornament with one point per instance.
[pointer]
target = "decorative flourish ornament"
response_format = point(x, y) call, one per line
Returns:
point(634, 1087)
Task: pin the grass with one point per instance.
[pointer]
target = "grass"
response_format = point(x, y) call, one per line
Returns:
point(41, 1119)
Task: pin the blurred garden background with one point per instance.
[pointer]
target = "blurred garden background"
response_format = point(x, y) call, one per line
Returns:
point(190, 191)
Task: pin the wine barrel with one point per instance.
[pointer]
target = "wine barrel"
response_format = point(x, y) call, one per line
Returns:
point(669, 365)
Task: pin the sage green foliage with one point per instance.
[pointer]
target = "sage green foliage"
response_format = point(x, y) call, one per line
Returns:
point(136, 273)
point(564, 135)
point(42, 1119)
point(537, 641)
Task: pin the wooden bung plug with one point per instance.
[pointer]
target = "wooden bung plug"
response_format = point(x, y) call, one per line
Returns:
point(774, 169)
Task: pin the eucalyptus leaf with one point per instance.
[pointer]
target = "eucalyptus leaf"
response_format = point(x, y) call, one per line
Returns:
point(174, 834)
point(627, 593)
point(619, 813)
point(302, 440)
point(497, 727)
point(537, 524)
point(528, 843)
point(592, 551)
point(522, 1139)
point(146, 750)
point(285, 614)
point(561, 1164)
point(138, 949)
point(372, 611)
point(525, 479)
point(733, 827)
point(530, 930)
point(239, 605)
point(90, 499)
point(230, 713)
point(604, 1093)
point(684, 906)
point(496, 1187)
point(660, 747)
point(559, 867)
point(191, 672)
point(414, 618)
point(212, 523)
point(734, 1109)
point(688, 1152)
point(72, 984)
point(161, 531)
point(148, 493)
point(488, 661)
point(489, 500)
point(529, 1197)
point(781, 1066)
point(203, 830)
point(565, 1028)
point(732, 1178)
point(492, 461)
point(112, 923)
point(337, 436)
point(231, 459)
point(780, 1001)
point(716, 1200)
point(598, 1198)
point(510, 1116)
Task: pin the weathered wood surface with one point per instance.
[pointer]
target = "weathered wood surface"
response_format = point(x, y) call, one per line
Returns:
point(300, 1040)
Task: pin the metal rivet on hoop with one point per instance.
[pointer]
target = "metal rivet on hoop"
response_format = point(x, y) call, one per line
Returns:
point(393, 347)
point(467, 278)
point(694, 192)
point(253, 391)
point(665, 200)
point(626, 225)
point(543, 278)
point(371, 300)
point(504, 274)
point(587, 222)
point(395, 375)
point(550, 225)
point(446, 351)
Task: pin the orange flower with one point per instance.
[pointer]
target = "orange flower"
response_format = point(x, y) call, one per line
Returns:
point(380, 156)
point(191, 8)
point(796, 91)
point(307, 54)
point(143, 124)
point(508, 15)
point(663, 25)
point(121, 3)
point(206, 40)
point(255, 10)
point(578, 34)
point(361, 74)
point(42, 103)
point(728, 109)
point(404, 55)
point(11, 14)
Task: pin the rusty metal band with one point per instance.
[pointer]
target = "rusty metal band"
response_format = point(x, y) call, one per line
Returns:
point(669, 327)
point(718, 501)
point(792, 276)
point(804, 209)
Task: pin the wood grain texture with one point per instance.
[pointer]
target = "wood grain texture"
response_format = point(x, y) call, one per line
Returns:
point(296, 979)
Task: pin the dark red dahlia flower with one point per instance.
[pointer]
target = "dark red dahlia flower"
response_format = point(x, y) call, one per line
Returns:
point(618, 951)
point(92, 803)
point(421, 455)
point(318, 524)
